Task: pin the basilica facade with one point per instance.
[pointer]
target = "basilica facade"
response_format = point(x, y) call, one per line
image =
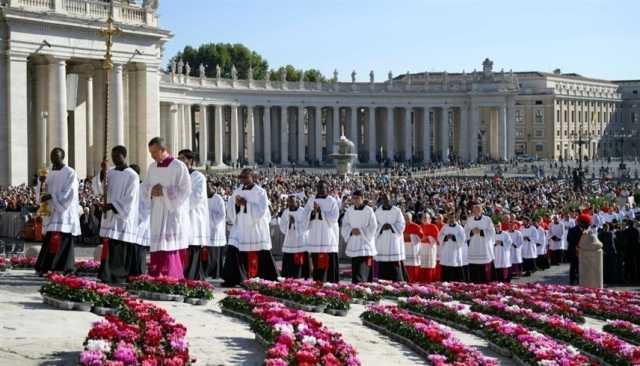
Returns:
point(53, 93)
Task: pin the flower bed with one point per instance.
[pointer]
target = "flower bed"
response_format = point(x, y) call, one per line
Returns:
point(140, 334)
point(358, 293)
point(528, 346)
point(171, 289)
point(20, 262)
point(294, 338)
point(394, 290)
point(305, 295)
point(606, 346)
point(4, 264)
point(624, 329)
point(88, 267)
point(439, 345)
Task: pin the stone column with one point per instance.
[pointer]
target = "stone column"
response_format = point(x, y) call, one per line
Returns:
point(427, 135)
point(42, 115)
point(335, 123)
point(57, 105)
point(390, 130)
point(117, 137)
point(173, 129)
point(407, 134)
point(89, 124)
point(13, 109)
point(188, 127)
point(266, 125)
point(284, 136)
point(504, 145)
point(301, 141)
point(234, 134)
point(203, 135)
point(251, 136)
point(148, 111)
point(474, 129)
point(317, 133)
point(218, 135)
point(444, 131)
point(77, 156)
point(463, 136)
point(511, 133)
point(371, 134)
point(353, 128)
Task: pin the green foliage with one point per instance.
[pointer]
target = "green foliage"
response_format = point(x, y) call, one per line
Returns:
point(226, 55)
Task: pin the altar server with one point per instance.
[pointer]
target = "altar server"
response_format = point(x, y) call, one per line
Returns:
point(452, 239)
point(412, 234)
point(542, 261)
point(321, 221)
point(358, 230)
point(502, 251)
point(529, 249)
point(389, 241)
point(218, 234)
point(119, 226)
point(63, 223)
point(480, 234)
point(198, 217)
point(249, 250)
point(295, 259)
point(137, 256)
point(556, 241)
point(516, 250)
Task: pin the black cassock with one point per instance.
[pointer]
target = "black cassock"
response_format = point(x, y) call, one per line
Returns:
point(611, 261)
point(296, 265)
point(215, 261)
point(241, 266)
point(193, 266)
point(137, 260)
point(326, 267)
point(56, 253)
point(114, 267)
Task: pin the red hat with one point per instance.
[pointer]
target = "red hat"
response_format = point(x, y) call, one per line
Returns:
point(584, 219)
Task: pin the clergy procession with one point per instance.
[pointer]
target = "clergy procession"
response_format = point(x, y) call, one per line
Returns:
point(396, 228)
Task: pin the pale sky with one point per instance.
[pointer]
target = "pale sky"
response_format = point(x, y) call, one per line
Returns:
point(595, 38)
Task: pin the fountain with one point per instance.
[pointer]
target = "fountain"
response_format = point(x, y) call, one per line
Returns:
point(344, 155)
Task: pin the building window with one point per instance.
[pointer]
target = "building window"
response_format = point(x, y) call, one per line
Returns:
point(519, 118)
point(566, 116)
point(538, 102)
point(565, 132)
point(634, 117)
point(558, 116)
point(539, 133)
point(539, 116)
point(558, 133)
point(573, 116)
point(579, 117)
point(519, 133)
point(539, 148)
point(586, 116)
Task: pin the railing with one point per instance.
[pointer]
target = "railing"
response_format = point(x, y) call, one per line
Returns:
point(91, 9)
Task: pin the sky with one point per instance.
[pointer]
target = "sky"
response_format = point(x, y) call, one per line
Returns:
point(595, 38)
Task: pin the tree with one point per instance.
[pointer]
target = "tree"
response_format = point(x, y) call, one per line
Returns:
point(225, 55)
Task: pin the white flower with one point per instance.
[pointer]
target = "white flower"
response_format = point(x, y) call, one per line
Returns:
point(302, 327)
point(368, 291)
point(309, 340)
point(99, 345)
point(284, 328)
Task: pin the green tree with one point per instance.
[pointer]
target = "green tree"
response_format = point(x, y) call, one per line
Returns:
point(293, 74)
point(225, 55)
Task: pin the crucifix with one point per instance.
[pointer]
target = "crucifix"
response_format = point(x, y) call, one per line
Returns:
point(108, 33)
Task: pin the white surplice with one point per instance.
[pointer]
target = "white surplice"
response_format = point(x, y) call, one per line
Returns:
point(390, 243)
point(529, 238)
point(556, 236)
point(63, 186)
point(144, 215)
point(480, 245)
point(169, 221)
point(502, 250)
point(322, 226)
point(122, 191)
point(452, 239)
point(516, 246)
point(250, 223)
point(199, 210)
point(217, 221)
point(292, 226)
point(362, 245)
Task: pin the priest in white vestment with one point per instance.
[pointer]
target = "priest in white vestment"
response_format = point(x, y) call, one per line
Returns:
point(295, 258)
point(63, 222)
point(168, 185)
point(249, 250)
point(320, 220)
point(452, 239)
point(137, 258)
point(389, 241)
point(480, 234)
point(359, 226)
point(218, 233)
point(199, 219)
point(119, 225)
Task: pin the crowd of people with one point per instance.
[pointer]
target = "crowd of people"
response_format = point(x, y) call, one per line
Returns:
point(390, 224)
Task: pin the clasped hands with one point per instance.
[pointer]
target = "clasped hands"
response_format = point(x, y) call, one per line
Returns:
point(156, 191)
point(240, 201)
